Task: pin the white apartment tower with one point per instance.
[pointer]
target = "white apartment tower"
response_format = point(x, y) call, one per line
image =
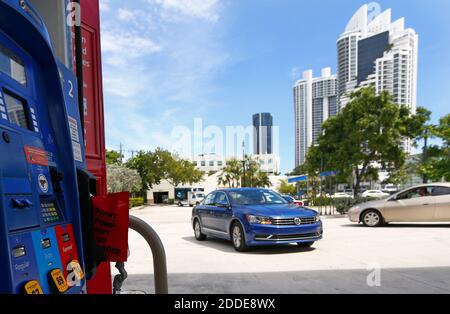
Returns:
point(378, 53)
point(315, 100)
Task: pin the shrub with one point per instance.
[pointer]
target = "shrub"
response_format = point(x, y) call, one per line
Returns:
point(136, 202)
point(171, 201)
point(343, 205)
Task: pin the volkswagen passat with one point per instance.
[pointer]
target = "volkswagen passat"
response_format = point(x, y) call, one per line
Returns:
point(251, 217)
point(423, 203)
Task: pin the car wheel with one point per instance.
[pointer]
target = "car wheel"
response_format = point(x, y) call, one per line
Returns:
point(372, 218)
point(199, 236)
point(305, 244)
point(180, 205)
point(238, 237)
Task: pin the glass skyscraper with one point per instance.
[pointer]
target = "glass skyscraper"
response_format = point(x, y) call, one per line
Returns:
point(263, 134)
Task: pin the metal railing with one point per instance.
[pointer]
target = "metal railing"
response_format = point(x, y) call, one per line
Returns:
point(159, 258)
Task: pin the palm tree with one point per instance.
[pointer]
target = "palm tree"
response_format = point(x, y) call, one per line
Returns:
point(231, 174)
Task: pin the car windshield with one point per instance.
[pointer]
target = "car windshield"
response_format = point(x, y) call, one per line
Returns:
point(256, 197)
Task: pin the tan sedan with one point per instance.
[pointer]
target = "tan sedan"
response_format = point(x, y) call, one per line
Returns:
point(423, 203)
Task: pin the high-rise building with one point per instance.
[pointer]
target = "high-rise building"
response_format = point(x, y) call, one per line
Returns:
point(315, 100)
point(262, 134)
point(378, 53)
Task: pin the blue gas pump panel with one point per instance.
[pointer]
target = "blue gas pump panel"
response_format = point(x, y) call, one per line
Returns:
point(49, 261)
point(24, 268)
point(40, 148)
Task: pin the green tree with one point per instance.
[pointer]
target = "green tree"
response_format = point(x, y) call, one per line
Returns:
point(122, 179)
point(150, 167)
point(286, 188)
point(437, 167)
point(232, 173)
point(153, 167)
point(368, 131)
point(113, 157)
point(180, 171)
point(235, 175)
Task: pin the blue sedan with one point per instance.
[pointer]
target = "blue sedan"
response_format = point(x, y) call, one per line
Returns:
point(252, 217)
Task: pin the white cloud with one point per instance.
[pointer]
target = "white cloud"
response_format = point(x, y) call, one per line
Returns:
point(119, 46)
point(104, 5)
point(126, 15)
point(203, 9)
point(160, 59)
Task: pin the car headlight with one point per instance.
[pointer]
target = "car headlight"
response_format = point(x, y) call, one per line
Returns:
point(258, 220)
point(318, 218)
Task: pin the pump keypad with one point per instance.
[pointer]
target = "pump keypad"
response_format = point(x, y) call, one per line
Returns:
point(50, 212)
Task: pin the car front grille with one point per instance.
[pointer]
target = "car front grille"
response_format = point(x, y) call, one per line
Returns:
point(291, 221)
point(287, 237)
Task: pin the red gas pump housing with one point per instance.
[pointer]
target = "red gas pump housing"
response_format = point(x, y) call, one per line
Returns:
point(94, 119)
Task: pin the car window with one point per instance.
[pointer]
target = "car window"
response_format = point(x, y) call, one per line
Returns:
point(441, 191)
point(221, 198)
point(416, 193)
point(256, 197)
point(209, 200)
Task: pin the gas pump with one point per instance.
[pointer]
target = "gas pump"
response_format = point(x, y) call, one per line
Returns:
point(45, 244)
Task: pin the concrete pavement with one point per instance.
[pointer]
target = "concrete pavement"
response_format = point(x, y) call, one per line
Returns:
point(413, 259)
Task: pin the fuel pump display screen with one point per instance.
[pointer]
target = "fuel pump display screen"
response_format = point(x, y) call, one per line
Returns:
point(16, 111)
point(19, 251)
point(12, 66)
point(45, 243)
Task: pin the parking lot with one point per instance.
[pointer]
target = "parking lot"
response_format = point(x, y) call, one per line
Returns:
point(399, 258)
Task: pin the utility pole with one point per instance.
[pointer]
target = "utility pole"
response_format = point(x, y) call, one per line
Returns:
point(121, 154)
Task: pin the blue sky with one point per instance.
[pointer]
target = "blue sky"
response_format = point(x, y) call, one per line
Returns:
point(167, 62)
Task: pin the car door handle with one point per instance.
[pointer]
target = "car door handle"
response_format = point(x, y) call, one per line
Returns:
point(426, 204)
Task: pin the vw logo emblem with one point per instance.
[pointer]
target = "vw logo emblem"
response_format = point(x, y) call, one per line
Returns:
point(298, 221)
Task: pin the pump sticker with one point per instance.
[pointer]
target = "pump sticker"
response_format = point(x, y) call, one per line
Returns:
point(75, 135)
point(58, 280)
point(43, 183)
point(77, 155)
point(36, 156)
point(73, 125)
point(33, 287)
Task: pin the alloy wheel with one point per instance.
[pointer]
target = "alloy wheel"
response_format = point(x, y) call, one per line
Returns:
point(237, 236)
point(372, 219)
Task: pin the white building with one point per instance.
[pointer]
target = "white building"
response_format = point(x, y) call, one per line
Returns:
point(315, 100)
point(378, 53)
point(269, 163)
point(209, 162)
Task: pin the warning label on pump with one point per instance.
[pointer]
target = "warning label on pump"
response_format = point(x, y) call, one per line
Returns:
point(77, 154)
point(36, 156)
point(73, 125)
point(111, 218)
point(75, 135)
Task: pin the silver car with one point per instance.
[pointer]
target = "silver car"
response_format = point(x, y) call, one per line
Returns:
point(423, 203)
